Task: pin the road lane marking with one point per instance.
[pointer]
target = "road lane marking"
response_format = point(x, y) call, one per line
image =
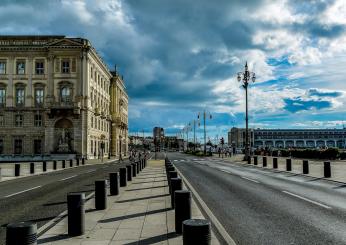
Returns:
point(308, 200)
point(20, 192)
point(68, 177)
point(250, 179)
point(89, 171)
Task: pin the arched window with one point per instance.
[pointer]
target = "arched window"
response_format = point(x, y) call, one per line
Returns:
point(65, 94)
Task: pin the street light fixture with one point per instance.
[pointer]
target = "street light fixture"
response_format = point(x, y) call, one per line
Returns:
point(246, 76)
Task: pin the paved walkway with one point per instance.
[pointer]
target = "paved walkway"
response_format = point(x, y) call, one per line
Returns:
point(141, 214)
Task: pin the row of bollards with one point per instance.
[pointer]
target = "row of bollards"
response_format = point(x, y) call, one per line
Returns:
point(17, 166)
point(195, 231)
point(25, 233)
point(305, 165)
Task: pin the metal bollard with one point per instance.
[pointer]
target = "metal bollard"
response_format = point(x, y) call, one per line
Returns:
point(23, 233)
point(137, 167)
point(134, 170)
point(255, 160)
point(275, 162)
point(44, 166)
point(196, 231)
point(171, 174)
point(129, 172)
point(17, 169)
point(114, 184)
point(170, 169)
point(182, 204)
point(77, 161)
point(63, 164)
point(305, 167)
point(100, 194)
point(123, 177)
point(54, 165)
point(176, 185)
point(83, 161)
point(71, 163)
point(264, 161)
point(249, 160)
point(75, 214)
point(288, 164)
point(32, 168)
point(327, 170)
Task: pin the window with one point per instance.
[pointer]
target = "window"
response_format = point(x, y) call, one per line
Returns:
point(2, 67)
point(91, 146)
point(65, 66)
point(19, 96)
point(2, 120)
point(38, 120)
point(65, 94)
point(37, 146)
point(39, 67)
point(20, 67)
point(39, 96)
point(92, 121)
point(91, 72)
point(2, 97)
point(1, 146)
point(18, 120)
point(18, 146)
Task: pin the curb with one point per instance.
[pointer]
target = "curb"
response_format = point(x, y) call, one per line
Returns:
point(220, 229)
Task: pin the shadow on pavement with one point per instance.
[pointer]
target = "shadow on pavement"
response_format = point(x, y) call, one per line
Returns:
point(148, 182)
point(148, 188)
point(53, 238)
point(154, 240)
point(129, 216)
point(142, 198)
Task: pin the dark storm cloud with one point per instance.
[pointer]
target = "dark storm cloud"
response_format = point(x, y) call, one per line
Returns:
point(297, 104)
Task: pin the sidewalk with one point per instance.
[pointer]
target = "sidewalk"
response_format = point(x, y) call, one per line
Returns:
point(140, 214)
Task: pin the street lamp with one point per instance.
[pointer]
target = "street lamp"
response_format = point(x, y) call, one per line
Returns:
point(205, 115)
point(246, 76)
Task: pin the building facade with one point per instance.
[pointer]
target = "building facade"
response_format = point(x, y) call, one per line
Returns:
point(55, 97)
point(236, 137)
point(286, 138)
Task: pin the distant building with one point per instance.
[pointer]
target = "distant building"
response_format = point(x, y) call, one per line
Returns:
point(158, 132)
point(285, 138)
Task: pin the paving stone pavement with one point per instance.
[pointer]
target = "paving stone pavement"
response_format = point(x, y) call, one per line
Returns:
point(140, 214)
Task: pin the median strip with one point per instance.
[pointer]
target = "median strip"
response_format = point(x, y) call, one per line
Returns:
point(308, 200)
point(20, 192)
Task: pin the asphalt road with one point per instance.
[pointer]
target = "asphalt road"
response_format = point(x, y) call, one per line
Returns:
point(264, 206)
point(41, 198)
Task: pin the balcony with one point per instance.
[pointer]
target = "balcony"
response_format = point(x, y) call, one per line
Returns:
point(97, 111)
point(64, 108)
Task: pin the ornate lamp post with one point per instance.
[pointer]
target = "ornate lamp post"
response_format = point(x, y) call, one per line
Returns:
point(246, 76)
point(205, 115)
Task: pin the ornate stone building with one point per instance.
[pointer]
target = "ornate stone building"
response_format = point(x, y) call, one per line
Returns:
point(55, 98)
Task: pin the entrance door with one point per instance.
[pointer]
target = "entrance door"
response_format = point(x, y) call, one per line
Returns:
point(37, 147)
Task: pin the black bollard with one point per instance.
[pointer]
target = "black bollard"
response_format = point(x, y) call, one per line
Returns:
point(100, 194)
point(129, 172)
point(255, 160)
point(54, 165)
point(71, 163)
point(21, 233)
point(182, 204)
point(305, 167)
point(137, 167)
point(17, 169)
point(169, 166)
point(75, 214)
point(171, 174)
point(176, 185)
point(288, 164)
point(83, 161)
point(32, 168)
point(44, 166)
point(63, 164)
point(275, 162)
point(264, 161)
point(249, 160)
point(123, 177)
point(77, 161)
point(170, 169)
point(134, 170)
point(114, 184)
point(327, 170)
point(196, 231)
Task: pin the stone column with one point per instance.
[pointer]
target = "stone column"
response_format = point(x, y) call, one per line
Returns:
point(10, 93)
point(50, 98)
point(28, 93)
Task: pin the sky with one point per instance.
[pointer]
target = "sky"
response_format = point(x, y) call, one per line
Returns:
point(181, 57)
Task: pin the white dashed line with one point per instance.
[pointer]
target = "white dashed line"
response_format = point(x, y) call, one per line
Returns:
point(69, 177)
point(250, 179)
point(308, 200)
point(20, 192)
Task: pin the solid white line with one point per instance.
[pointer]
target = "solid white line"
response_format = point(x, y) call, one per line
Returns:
point(306, 199)
point(69, 177)
point(20, 192)
point(250, 179)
